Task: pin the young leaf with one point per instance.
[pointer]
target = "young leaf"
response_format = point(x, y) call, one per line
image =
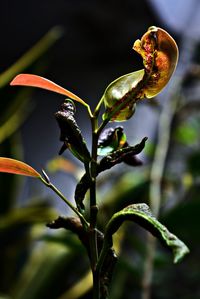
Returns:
point(111, 140)
point(141, 214)
point(40, 82)
point(17, 167)
point(120, 96)
point(160, 54)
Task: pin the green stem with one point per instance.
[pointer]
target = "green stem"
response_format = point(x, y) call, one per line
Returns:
point(97, 109)
point(94, 209)
point(89, 110)
point(51, 186)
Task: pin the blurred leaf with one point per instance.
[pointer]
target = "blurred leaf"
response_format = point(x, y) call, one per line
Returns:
point(46, 273)
point(27, 215)
point(160, 54)
point(188, 209)
point(193, 163)
point(33, 54)
point(79, 288)
point(141, 214)
point(187, 134)
point(42, 267)
point(61, 164)
point(150, 148)
point(10, 185)
point(14, 117)
point(13, 166)
point(40, 82)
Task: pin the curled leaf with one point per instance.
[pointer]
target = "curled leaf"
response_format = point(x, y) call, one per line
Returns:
point(17, 167)
point(40, 82)
point(160, 54)
point(70, 132)
point(111, 140)
point(120, 155)
point(141, 214)
point(106, 162)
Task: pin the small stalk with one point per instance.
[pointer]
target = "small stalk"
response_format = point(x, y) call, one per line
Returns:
point(51, 186)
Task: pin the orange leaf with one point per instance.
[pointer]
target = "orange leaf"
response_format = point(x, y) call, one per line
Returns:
point(160, 55)
point(40, 82)
point(17, 167)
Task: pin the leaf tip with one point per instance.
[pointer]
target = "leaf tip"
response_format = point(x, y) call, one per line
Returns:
point(181, 253)
point(8, 165)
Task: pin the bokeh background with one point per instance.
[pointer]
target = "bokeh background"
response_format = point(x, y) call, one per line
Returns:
point(89, 46)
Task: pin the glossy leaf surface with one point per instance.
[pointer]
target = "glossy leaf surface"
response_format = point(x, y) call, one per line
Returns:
point(17, 167)
point(119, 97)
point(141, 214)
point(40, 82)
point(111, 140)
point(160, 54)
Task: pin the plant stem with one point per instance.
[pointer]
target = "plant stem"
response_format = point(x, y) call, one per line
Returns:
point(51, 186)
point(97, 109)
point(94, 209)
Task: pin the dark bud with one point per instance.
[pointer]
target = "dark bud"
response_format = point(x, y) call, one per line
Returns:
point(107, 136)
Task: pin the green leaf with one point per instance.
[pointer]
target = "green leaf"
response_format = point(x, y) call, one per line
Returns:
point(141, 214)
point(13, 166)
point(123, 90)
point(14, 116)
point(187, 134)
